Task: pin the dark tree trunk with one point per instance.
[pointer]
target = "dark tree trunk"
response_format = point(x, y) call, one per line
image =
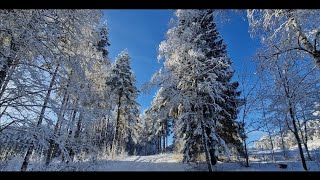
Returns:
point(164, 138)
point(159, 143)
point(44, 106)
point(297, 137)
point(9, 63)
point(56, 128)
point(65, 100)
point(206, 149)
point(76, 136)
point(118, 124)
point(272, 146)
point(27, 157)
point(283, 147)
point(305, 139)
point(246, 153)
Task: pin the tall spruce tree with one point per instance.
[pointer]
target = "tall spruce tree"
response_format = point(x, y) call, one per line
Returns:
point(123, 94)
point(196, 60)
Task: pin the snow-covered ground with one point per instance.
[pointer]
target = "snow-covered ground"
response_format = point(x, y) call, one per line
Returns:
point(163, 162)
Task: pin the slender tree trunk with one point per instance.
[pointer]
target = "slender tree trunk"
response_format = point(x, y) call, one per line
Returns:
point(282, 141)
point(307, 150)
point(44, 106)
point(164, 138)
point(71, 153)
point(56, 128)
point(6, 126)
point(27, 158)
point(246, 153)
point(107, 131)
point(292, 114)
point(122, 136)
point(65, 100)
point(63, 114)
point(73, 118)
point(4, 86)
point(304, 139)
point(283, 146)
point(7, 79)
point(159, 143)
point(303, 161)
point(272, 146)
point(167, 134)
point(306, 142)
point(9, 62)
point(116, 134)
point(76, 136)
point(2, 113)
point(244, 139)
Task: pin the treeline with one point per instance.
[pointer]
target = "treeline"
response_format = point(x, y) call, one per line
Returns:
point(61, 97)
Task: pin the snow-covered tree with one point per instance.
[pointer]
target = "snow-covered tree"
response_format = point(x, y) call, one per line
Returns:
point(287, 30)
point(46, 53)
point(229, 129)
point(293, 84)
point(196, 60)
point(121, 83)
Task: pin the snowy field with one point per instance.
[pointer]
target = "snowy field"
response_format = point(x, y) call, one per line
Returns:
point(161, 162)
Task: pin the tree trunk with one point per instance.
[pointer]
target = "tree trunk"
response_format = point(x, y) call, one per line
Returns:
point(27, 158)
point(272, 147)
point(283, 147)
point(164, 138)
point(43, 109)
point(107, 131)
point(292, 116)
point(307, 44)
point(282, 141)
point(56, 128)
point(116, 134)
point(7, 79)
point(4, 85)
point(246, 153)
point(159, 143)
point(73, 118)
point(305, 138)
point(59, 121)
point(2, 113)
point(6, 126)
point(307, 149)
point(10, 61)
point(76, 136)
point(71, 153)
point(303, 161)
point(166, 134)
point(123, 134)
point(206, 150)
point(306, 142)
point(71, 128)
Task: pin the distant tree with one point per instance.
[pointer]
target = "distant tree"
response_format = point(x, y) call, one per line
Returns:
point(121, 82)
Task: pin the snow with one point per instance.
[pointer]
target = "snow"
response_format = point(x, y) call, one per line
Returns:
point(160, 162)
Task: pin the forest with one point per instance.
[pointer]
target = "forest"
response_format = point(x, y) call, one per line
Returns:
point(66, 105)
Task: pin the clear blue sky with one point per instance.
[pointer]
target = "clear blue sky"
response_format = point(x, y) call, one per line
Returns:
point(141, 31)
